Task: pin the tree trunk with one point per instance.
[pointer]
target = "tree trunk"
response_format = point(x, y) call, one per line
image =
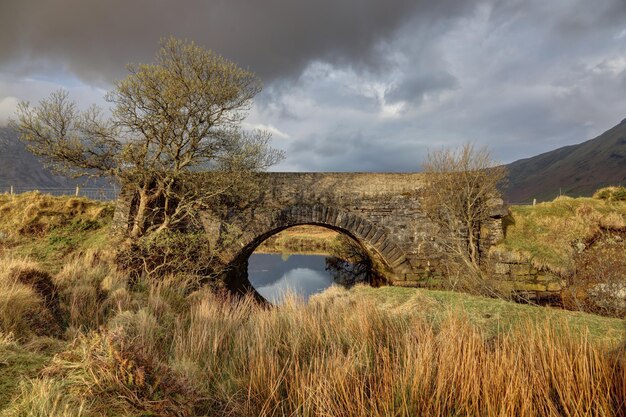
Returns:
point(139, 222)
point(471, 244)
point(167, 216)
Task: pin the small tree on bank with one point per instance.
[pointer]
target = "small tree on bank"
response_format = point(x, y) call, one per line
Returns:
point(460, 191)
point(169, 119)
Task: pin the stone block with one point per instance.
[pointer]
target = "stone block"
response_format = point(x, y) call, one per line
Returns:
point(555, 286)
point(543, 277)
point(501, 268)
point(504, 256)
point(529, 286)
point(520, 269)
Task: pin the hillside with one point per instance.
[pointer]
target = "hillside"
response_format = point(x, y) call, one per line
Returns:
point(22, 170)
point(576, 170)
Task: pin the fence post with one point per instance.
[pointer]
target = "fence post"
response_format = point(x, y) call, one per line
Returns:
point(534, 201)
point(11, 190)
point(77, 190)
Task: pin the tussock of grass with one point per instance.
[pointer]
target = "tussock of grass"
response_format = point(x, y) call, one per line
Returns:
point(24, 309)
point(611, 194)
point(103, 374)
point(549, 234)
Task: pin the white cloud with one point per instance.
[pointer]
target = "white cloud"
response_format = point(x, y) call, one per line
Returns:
point(32, 89)
point(7, 109)
point(276, 133)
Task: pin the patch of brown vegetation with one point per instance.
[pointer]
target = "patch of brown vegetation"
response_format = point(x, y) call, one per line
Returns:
point(599, 283)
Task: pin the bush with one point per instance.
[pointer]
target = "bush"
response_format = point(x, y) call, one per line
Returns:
point(168, 253)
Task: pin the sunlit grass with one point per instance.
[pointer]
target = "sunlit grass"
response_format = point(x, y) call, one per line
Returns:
point(363, 352)
point(549, 234)
point(48, 228)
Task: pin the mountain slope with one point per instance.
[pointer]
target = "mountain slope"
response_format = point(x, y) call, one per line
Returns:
point(21, 169)
point(576, 170)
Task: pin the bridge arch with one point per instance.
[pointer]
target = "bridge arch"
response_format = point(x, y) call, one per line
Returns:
point(387, 256)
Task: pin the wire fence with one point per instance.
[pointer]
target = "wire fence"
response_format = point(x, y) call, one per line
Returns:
point(110, 194)
point(101, 194)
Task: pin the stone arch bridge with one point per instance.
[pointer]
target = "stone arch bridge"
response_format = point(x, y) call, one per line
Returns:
point(381, 211)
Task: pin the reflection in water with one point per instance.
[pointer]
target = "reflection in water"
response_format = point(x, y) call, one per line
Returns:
point(273, 275)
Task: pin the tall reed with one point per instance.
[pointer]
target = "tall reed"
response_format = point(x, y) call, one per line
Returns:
point(339, 355)
point(351, 358)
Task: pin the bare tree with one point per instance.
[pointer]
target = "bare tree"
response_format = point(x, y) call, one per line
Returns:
point(168, 120)
point(459, 195)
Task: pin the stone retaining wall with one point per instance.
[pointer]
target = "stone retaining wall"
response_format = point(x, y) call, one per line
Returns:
point(522, 277)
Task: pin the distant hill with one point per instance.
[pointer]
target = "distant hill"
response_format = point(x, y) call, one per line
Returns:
point(22, 170)
point(576, 170)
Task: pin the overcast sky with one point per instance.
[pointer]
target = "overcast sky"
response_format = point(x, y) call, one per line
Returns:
point(352, 85)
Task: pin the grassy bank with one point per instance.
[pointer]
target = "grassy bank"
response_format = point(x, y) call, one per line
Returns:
point(550, 234)
point(301, 239)
point(48, 228)
point(161, 348)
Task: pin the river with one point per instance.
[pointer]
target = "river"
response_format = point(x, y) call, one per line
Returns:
point(274, 275)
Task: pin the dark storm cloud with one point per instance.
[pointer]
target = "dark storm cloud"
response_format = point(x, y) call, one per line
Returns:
point(355, 84)
point(414, 86)
point(95, 39)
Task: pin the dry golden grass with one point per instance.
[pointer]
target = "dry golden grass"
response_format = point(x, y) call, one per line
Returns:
point(6, 339)
point(44, 398)
point(611, 193)
point(20, 305)
point(353, 358)
point(34, 213)
point(84, 282)
point(339, 355)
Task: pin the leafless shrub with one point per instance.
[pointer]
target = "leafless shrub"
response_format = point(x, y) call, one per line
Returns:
point(459, 195)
